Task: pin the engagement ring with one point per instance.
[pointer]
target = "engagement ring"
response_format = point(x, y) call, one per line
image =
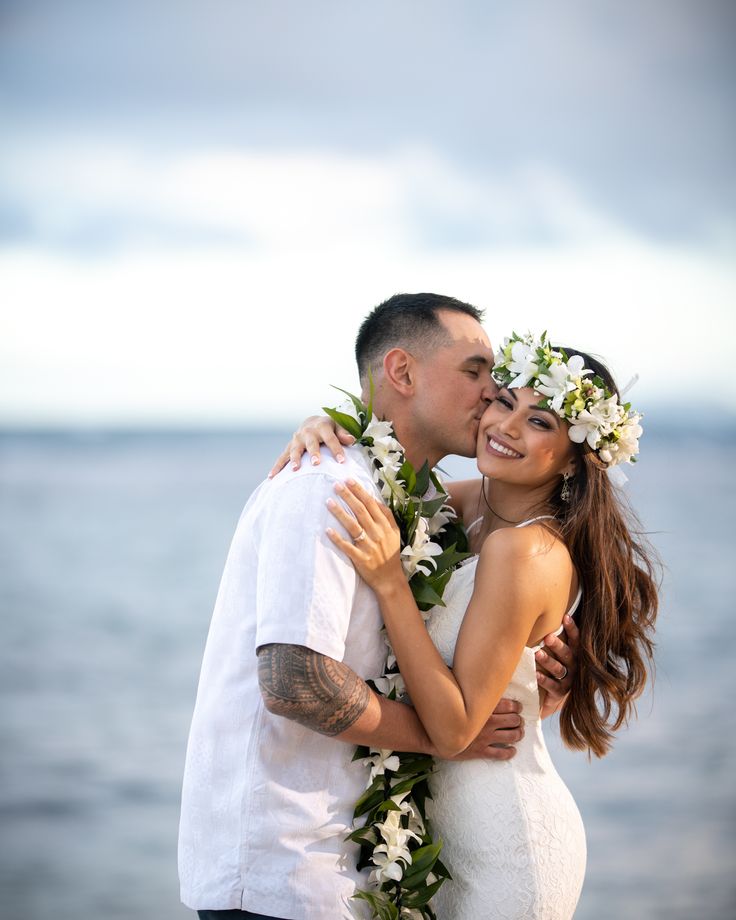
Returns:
point(361, 536)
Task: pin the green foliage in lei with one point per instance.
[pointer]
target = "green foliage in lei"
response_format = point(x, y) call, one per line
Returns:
point(400, 849)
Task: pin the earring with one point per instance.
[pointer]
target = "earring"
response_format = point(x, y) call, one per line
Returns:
point(565, 492)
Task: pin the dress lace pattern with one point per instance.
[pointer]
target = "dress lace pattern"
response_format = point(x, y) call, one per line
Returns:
point(513, 837)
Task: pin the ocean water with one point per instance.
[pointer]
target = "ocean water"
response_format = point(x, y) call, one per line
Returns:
point(111, 547)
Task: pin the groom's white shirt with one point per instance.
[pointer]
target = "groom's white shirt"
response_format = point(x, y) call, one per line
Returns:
point(266, 803)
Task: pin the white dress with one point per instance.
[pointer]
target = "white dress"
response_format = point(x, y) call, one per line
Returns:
point(513, 837)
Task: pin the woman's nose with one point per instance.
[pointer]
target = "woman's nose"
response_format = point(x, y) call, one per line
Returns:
point(510, 425)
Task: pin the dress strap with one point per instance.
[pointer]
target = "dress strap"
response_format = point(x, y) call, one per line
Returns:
point(540, 517)
point(477, 521)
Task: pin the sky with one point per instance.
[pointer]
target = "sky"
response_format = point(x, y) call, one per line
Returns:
point(200, 201)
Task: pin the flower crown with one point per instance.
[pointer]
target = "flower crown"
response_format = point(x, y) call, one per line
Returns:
point(573, 392)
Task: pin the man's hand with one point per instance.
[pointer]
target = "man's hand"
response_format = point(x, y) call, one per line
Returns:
point(556, 664)
point(497, 738)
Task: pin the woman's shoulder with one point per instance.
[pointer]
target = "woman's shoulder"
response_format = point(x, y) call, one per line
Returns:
point(535, 546)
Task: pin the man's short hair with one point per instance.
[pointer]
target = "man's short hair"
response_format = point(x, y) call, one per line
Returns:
point(406, 321)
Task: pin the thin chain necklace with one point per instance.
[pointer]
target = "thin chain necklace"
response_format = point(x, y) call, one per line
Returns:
point(495, 513)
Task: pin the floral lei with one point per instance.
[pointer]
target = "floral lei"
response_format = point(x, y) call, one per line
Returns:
point(574, 393)
point(396, 840)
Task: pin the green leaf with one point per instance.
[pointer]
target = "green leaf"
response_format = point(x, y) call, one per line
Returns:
point(406, 472)
point(422, 479)
point(419, 764)
point(422, 861)
point(370, 798)
point(424, 895)
point(431, 506)
point(449, 558)
point(360, 406)
point(344, 421)
point(382, 908)
point(408, 783)
point(424, 593)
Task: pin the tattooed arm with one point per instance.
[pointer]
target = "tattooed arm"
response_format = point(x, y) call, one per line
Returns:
point(326, 696)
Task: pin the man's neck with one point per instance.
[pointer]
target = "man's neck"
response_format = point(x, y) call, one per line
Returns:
point(417, 452)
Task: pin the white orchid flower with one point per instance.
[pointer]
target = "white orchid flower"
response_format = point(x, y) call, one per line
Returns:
point(386, 867)
point(626, 445)
point(390, 682)
point(436, 523)
point(561, 378)
point(419, 555)
point(381, 761)
point(522, 363)
point(378, 429)
point(395, 835)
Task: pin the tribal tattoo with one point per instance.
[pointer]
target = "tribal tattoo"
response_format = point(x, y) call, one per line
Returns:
point(318, 692)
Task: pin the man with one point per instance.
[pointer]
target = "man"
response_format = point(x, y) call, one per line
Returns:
point(268, 787)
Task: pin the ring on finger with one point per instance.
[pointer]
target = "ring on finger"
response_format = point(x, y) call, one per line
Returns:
point(564, 674)
point(361, 536)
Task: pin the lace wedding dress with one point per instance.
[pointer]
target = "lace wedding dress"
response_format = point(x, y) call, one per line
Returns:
point(513, 837)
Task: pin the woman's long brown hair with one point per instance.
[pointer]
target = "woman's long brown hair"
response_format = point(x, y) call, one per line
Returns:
point(616, 566)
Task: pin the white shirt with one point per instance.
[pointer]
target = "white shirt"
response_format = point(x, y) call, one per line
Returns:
point(266, 803)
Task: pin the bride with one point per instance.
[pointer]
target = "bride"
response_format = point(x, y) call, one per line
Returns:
point(551, 539)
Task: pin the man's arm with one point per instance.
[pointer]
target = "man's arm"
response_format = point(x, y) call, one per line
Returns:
point(328, 697)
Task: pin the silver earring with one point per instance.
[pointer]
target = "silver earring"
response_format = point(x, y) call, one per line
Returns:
point(565, 492)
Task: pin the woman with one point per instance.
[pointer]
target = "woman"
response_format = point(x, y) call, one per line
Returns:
point(551, 539)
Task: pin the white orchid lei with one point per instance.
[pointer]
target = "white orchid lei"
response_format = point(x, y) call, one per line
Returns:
point(610, 428)
point(395, 838)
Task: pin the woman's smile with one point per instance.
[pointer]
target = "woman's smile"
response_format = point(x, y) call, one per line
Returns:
point(495, 445)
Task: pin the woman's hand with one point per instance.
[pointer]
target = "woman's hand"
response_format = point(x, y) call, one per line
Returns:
point(316, 430)
point(376, 542)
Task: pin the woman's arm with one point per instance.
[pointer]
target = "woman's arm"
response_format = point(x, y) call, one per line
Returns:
point(452, 704)
point(313, 431)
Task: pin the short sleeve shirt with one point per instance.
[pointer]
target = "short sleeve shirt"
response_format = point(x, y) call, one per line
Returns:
point(266, 803)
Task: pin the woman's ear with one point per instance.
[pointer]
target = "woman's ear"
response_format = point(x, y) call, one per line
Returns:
point(571, 468)
point(399, 370)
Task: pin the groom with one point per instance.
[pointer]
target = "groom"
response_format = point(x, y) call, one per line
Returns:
point(268, 787)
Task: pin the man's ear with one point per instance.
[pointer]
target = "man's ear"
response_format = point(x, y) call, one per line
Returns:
point(399, 370)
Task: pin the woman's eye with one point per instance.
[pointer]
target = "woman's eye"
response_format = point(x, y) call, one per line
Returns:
point(504, 401)
point(473, 374)
point(541, 423)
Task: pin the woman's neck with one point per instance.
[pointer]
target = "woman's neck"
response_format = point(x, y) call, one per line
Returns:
point(507, 505)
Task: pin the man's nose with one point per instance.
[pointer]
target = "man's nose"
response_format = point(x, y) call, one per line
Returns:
point(490, 391)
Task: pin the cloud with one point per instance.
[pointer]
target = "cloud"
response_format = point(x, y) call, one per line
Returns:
point(91, 198)
point(633, 101)
point(252, 317)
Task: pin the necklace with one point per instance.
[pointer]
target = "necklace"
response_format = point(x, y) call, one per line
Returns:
point(495, 513)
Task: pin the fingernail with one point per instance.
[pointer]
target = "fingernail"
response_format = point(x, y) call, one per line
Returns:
point(340, 458)
point(270, 476)
point(567, 619)
point(330, 503)
point(315, 461)
point(339, 487)
point(539, 678)
point(295, 466)
point(329, 531)
point(351, 482)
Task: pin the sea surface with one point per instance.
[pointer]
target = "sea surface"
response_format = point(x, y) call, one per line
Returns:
point(111, 548)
